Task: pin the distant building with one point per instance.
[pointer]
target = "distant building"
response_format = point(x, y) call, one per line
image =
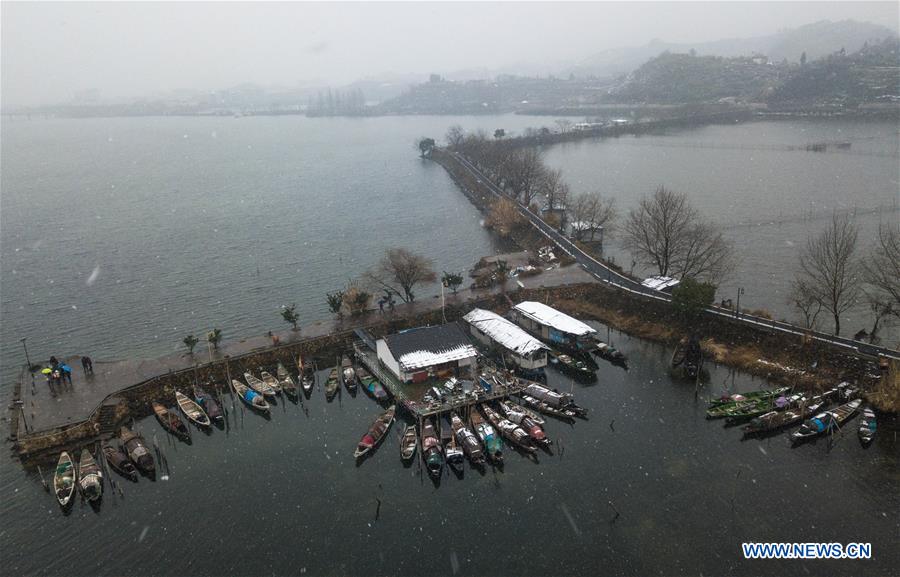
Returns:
point(661, 283)
point(554, 326)
point(587, 126)
point(416, 355)
point(518, 346)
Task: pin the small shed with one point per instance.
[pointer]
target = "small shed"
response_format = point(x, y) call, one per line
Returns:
point(554, 326)
point(416, 355)
point(519, 347)
point(660, 283)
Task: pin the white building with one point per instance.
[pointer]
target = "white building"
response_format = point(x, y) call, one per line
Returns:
point(552, 325)
point(520, 348)
point(416, 355)
point(661, 283)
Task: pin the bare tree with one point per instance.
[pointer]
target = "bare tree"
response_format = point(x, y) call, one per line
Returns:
point(455, 135)
point(667, 233)
point(828, 268)
point(881, 273)
point(564, 125)
point(399, 271)
point(806, 302)
point(526, 170)
point(593, 212)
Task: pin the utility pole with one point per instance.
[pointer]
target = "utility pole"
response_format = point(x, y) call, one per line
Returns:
point(737, 309)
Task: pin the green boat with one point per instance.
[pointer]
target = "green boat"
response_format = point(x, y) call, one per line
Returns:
point(749, 396)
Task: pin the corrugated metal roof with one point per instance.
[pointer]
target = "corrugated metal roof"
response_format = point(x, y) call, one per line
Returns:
point(504, 332)
point(553, 318)
point(428, 346)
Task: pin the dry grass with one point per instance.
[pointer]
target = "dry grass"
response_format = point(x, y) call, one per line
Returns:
point(885, 396)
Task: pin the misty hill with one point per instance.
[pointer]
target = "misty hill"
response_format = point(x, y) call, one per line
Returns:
point(870, 74)
point(688, 78)
point(817, 40)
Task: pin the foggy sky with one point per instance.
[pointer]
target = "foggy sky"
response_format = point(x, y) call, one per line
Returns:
point(51, 51)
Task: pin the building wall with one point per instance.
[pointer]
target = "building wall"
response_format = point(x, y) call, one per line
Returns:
point(385, 356)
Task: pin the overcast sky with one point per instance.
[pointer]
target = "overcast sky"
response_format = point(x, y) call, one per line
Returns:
point(50, 51)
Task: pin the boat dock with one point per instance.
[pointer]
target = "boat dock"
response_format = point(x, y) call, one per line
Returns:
point(460, 402)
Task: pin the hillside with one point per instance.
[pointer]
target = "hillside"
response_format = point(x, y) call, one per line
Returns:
point(817, 39)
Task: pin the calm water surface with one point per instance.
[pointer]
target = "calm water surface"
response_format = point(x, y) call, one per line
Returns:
point(285, 497)
point(768, 199)
point(120, 236)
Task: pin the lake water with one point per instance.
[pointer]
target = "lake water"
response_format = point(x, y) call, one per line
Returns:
point(768, 199)
point(284, 497)
point(120, 236)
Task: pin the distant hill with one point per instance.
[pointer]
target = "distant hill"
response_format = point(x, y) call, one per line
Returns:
point(817, 39)
point(868, 75)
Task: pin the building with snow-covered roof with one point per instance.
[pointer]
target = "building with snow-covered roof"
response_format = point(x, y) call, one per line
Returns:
point(416, 355)
point(553, 326)
point(661, 283)
point(518, 346)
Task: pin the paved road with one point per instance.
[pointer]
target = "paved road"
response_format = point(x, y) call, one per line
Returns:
point(604, 274)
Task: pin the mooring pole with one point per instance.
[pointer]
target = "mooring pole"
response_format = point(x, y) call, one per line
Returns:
point(27, 360)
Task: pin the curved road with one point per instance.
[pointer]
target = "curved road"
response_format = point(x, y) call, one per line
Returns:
point(604, 274)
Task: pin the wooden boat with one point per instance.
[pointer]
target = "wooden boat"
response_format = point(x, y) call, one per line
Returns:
point(538, 405)
point(610, 353)
point(555, 399)
point(90, 477)
point(170, 421)
point(377, 432)
point(137, 450)
point(332, 385)
point(371, 385)
point(535, 432)
point(572, 366)
point(209, 404)
point(510, 431)
point(287, 382)
point(268, 379)
point(689, 356)
point(118, 462)
point(777, 420)
point(408, 443)
point(490, 439)
point(64, 479)
point(508, 405)
point(826, 422)
point(259, 386)
point(249, 396)
point(431, 449)
point(737, 398)
point(348, 374)
point(467, 440)
point(192, 410)
point(306, 375)
point(867, 427)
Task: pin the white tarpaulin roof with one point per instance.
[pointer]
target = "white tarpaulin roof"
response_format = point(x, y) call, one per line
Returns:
point(423, 358)
point(659, 282)
point(553, 318)
point(504, 332)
